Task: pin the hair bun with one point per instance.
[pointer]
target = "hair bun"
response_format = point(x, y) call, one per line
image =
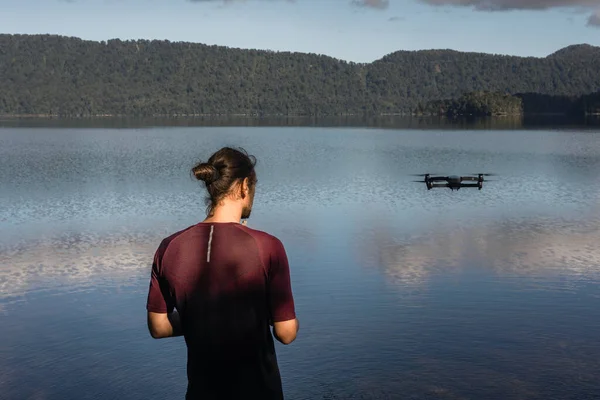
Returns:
point(206, 172)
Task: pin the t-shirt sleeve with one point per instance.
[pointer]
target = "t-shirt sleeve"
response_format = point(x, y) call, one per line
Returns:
point(160, 299)
point(281, 300)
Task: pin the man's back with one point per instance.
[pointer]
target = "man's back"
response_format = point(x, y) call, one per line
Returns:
point(228, 283)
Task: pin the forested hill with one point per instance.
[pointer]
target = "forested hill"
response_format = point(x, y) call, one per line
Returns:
point(48, 74)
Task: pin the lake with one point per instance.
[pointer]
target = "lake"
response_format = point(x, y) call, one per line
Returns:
point(401, 292)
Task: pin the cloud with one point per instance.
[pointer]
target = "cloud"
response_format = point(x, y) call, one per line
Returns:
point(396, 18)
point(506, 5)
point(594, 19)
point(378, 4)
point(375, 4)
point(502, 5)
point(230, 1)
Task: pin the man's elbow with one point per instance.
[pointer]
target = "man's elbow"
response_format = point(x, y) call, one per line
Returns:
point(156, 333)
point(158, 325)
point(286, 332)
point(286, 339)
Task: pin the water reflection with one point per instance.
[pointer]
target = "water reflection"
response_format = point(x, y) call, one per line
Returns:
point(508, 247)
point(73, 260)
point(505, 304)
point(380, 122)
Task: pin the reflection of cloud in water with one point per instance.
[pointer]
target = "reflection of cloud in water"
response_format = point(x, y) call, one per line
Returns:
point(79, 260)
point(507, 247)
point(74, 260)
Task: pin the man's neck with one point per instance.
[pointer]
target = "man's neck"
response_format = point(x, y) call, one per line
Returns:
point(226, 213)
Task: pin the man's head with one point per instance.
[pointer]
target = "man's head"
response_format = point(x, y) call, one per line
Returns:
point(229, 176)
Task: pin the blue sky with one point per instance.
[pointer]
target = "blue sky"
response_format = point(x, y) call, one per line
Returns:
point(355, 32)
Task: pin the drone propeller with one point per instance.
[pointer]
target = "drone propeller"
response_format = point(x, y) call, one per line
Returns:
point(425, 175)
point(485, 174)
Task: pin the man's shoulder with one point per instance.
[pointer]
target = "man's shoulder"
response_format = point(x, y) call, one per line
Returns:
point(268, 245)
point(262, 237)
point(166, 241)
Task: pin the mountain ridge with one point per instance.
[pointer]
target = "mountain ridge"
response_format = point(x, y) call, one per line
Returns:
point(69, 76)
point(575, 46)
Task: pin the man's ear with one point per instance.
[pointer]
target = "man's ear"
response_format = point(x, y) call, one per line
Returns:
point(244, 188)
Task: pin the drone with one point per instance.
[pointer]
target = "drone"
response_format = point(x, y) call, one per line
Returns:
point(454, 181)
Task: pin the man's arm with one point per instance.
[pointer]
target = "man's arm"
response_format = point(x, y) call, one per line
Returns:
point(285, 331)
point(162, 318)
point(164, 325)
point(285, 323)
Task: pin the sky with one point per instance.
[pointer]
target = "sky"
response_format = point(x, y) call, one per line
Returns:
point(352, 30)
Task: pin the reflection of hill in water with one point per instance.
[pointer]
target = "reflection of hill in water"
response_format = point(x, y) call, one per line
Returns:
point(507, 248)
point(383, 121)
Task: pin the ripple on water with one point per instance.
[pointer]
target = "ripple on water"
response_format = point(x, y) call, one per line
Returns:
point(508, 248)
point(74, 261)
point(485, 289)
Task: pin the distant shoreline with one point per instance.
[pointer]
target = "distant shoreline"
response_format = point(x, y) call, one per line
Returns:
point(394, 122)
point(51, 76)
point(254, 116)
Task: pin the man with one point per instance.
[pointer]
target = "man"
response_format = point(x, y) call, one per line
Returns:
point(222, 286)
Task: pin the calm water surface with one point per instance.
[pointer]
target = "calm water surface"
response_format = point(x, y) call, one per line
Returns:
point(401, 292)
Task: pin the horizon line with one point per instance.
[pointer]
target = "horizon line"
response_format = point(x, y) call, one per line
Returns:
point(291, 51)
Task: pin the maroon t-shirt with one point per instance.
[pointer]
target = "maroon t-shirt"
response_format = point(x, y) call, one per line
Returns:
point(229, 283)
